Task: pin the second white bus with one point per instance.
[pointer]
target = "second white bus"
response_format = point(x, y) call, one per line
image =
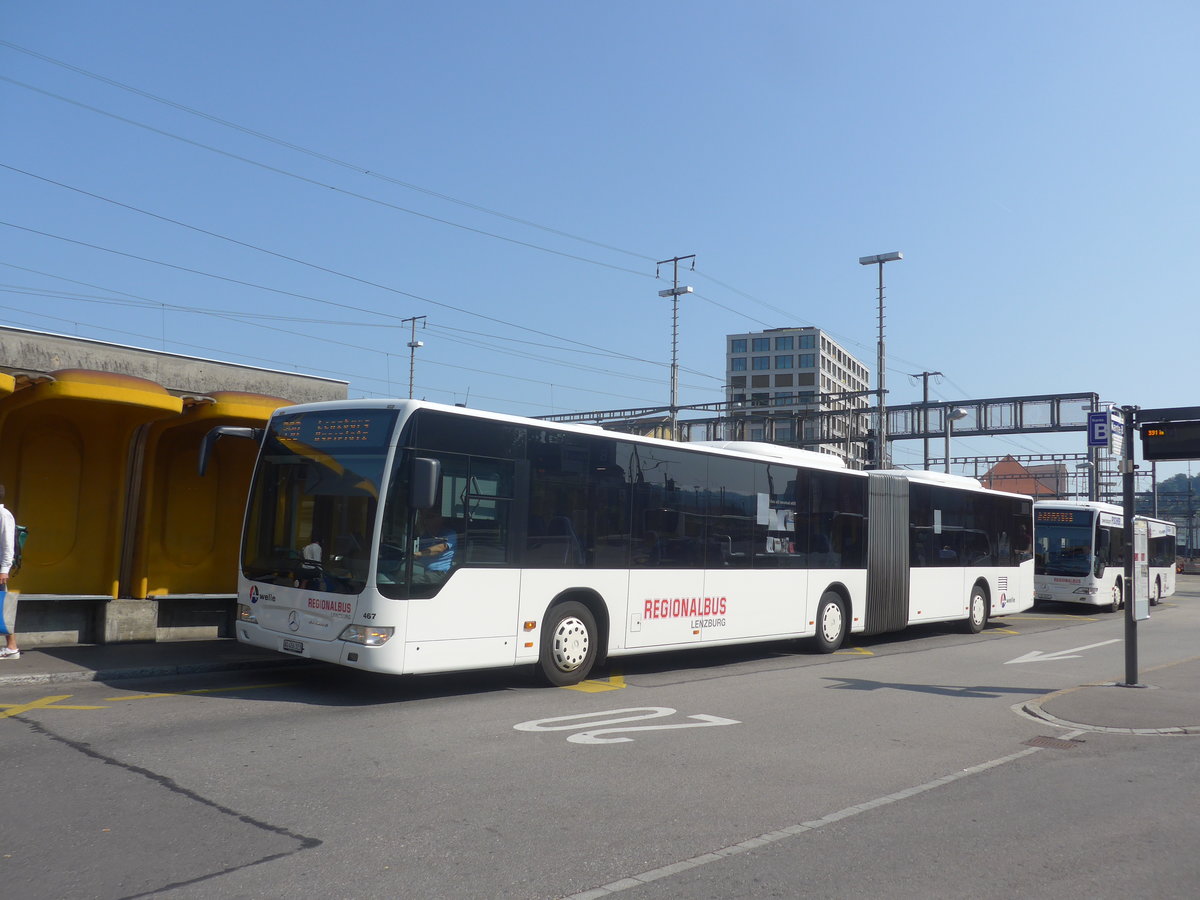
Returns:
point(1080, 549)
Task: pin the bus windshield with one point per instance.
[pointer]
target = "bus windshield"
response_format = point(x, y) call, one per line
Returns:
point(316, 491)
point(1065, 549)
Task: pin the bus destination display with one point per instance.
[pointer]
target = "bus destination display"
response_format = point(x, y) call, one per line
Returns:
point(1062, 516)
point(365, 428)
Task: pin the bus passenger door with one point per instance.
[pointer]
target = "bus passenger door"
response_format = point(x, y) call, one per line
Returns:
point(466, 619)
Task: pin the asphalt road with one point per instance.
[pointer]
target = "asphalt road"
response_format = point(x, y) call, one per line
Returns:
point(898, 767)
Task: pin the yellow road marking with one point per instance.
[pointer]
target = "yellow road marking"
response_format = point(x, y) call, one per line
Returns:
point(8, 710)
point(15, 709)
point(1002, 631)
point(242, 687)
point(596, 686)
point(855, 651)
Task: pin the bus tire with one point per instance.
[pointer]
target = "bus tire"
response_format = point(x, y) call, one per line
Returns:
point(831, 623)
point(1118, 597)
point(977, 610)
point(568, 644)
point(1156, 595)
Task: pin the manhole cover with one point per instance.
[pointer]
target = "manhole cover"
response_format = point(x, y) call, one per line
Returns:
point(1051, 743)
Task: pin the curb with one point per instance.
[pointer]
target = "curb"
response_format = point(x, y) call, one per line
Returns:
point(1033, 709)
point(85, 675)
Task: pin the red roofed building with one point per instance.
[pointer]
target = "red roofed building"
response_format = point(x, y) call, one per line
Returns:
point(1037, 481)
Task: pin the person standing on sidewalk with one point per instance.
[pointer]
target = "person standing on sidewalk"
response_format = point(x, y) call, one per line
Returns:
point(8, 546)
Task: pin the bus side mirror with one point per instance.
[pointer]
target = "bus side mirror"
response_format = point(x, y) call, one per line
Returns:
point(423, 487)
point(214, 434)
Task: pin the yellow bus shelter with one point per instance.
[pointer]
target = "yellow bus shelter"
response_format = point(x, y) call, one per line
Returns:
point(188, 528)
point(69, 444)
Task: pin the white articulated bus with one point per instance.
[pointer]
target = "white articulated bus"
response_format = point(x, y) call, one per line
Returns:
point(1080, 549)
point(410, 537)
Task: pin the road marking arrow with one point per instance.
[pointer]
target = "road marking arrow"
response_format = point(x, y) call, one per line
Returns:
point(1073, 653)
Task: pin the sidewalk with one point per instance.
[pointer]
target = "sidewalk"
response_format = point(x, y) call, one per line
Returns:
point(1166, 701)
point(111, 662)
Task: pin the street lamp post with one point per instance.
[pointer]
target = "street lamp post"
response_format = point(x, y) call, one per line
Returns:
point(952, 416)
point(413, 346)
point(879, 259)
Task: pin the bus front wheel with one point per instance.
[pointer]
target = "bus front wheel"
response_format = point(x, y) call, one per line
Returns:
point(831, 623)
point(1118, 597)
point(568, 644)
point(1157, 594)
point(978, 612)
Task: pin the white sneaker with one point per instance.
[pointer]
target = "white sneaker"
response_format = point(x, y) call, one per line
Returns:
point(10, 654)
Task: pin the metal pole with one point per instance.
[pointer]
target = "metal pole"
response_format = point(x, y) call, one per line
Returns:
point(882, 381)
point(412, 358)
point(925, 420)
point(1127, 471)
point(674, 295)
point(413, 344)
point(924, 417)
point(675, 353)
point(1191, 547)
point(1094, 468)
point(949, 428)
point(1154, 485)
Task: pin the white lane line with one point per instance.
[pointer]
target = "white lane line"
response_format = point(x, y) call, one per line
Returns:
point(771, 837)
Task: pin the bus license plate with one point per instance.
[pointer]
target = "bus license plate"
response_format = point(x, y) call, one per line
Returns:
point(293, 646)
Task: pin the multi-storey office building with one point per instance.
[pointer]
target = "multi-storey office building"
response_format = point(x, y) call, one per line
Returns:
point(788, 385)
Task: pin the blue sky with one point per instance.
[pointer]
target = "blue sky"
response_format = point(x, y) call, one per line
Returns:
point(512, 171)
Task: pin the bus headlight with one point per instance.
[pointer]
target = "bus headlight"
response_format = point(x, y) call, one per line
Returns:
point(367, 635)
point(245, 613)
point(1087, 590)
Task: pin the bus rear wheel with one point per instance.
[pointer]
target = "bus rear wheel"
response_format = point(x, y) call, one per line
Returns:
point(831, 623)
point(568, 644)
point(978, 611)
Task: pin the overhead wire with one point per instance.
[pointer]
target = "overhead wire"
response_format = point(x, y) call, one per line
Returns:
point(156, 305)
point(324, 269)
point(257, 358)
point(324, 157)
point(321, 184)
point(361, 170)
point(251, 318)
point(365, 171)
point(321, 300)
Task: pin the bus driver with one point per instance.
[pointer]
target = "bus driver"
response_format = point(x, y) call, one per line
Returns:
point(435, 549)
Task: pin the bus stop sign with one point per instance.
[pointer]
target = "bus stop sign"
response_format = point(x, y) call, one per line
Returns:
point(1100, 429)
